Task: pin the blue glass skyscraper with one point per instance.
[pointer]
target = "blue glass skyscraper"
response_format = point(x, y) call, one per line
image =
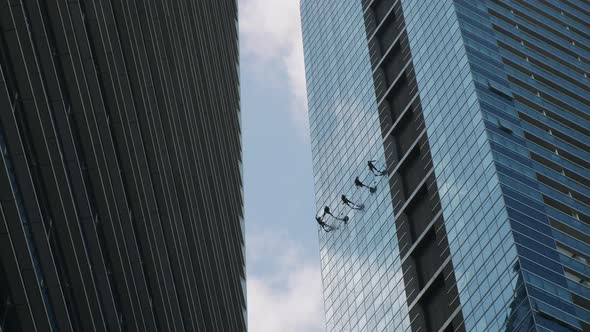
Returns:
point(480, 113)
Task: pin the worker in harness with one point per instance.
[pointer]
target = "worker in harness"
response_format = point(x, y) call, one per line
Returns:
point(327, 228)
point(374, 170)
point(360, 184)
point(350, 204)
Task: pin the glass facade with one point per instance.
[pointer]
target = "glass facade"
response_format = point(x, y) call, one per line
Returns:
point(499, 96)
point(481, 244)
point(121, 203)
point(361, 267)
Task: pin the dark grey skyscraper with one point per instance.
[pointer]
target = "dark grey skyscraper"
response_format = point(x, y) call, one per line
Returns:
point(479, 110)
point(120, 173)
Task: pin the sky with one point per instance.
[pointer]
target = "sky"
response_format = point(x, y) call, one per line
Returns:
point(282, 255)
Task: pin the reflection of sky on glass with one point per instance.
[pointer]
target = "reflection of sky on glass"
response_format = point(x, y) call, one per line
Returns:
point(475, 218)
point(360, 261)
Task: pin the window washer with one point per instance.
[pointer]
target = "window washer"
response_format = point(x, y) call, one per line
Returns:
point(374, 170)
point(327, 212)
point(360, 184)
point(327, 228)
point(349, 203)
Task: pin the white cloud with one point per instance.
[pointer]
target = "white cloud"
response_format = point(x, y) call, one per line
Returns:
point(285, 295)
point(270, 30)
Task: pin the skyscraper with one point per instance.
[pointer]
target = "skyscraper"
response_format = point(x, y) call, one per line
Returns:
point(120, 175)
point(480, 113)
